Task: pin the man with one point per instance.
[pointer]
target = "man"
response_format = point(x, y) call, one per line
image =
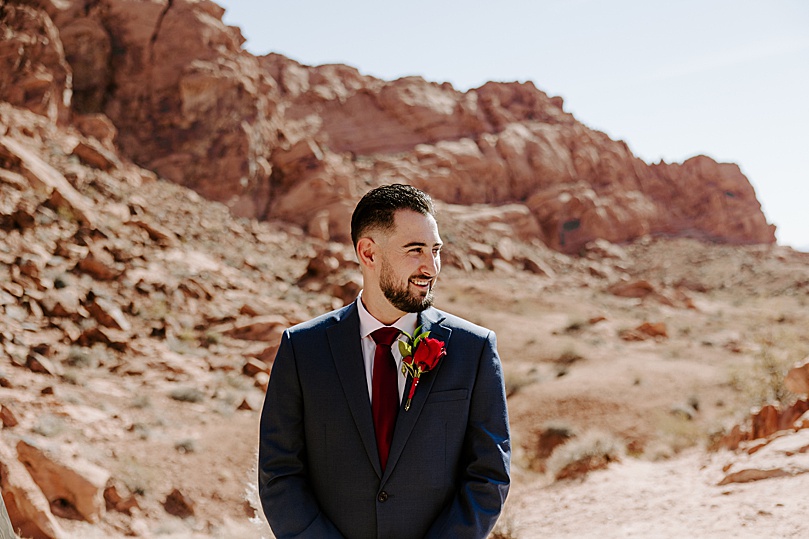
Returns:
point(331, 463)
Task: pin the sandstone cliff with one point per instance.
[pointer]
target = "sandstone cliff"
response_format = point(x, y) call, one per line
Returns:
point(274, 139)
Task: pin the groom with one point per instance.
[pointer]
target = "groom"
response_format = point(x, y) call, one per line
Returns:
point(340, 455)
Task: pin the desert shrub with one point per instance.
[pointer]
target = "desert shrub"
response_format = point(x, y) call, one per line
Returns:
point(593, 450)
point(576, 324)
point(61, 281)
point(212, 338)
point(515, 381)
point(234, 380)
point(79, 356)
point(82, 357)
point(158, 308)
point(564, 359)
point(762, 381)
point(188, 445)
point(679, 431)
point(141, 401)
point(548, 439)
point(142, 430)
point(187, 394)
point(139, 476)
point(50, 426)
point(71, 376)
point(568, 356)
point(187, 335)
point(506, 527)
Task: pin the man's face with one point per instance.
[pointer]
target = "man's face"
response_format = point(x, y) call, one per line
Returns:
point(410, 261)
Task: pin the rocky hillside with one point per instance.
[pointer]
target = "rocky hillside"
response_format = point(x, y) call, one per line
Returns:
point(132, 312)
point(273, 139)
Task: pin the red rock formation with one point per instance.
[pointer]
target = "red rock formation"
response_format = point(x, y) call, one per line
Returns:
point(274, 139)
point(703, 198)
point(797, 378)
point(764, 423)
point(32, 62)
point(186, 100)
point(27, 506)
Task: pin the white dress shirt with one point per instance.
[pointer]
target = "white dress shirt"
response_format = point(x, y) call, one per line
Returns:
point(369, 324)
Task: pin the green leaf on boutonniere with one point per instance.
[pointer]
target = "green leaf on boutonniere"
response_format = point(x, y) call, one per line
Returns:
point(404, 348)
point(419, 355)
point(418, 338)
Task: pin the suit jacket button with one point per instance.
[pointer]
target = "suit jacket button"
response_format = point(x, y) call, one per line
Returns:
point(383, 496)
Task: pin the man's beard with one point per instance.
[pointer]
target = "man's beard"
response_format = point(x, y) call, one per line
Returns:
point(401, 297)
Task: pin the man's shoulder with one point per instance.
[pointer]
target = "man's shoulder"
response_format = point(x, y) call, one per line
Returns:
point(459, 324)
point(324, 321)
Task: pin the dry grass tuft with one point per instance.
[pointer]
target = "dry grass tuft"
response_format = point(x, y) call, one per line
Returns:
point(515, 379)
point(762, 381)
point(550, 436)
point(594, 450)
point(507, 527)
point(679, 431)
point(564, 359)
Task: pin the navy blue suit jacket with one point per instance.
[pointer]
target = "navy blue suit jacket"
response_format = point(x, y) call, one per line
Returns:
point(319, 472)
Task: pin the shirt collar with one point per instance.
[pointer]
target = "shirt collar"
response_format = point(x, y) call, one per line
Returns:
point(369, 324)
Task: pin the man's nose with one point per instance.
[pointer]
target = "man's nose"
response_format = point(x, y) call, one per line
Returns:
point(431, 265)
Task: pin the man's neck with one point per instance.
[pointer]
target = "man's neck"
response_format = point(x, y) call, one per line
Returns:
point(368, 322)
point(383, 311)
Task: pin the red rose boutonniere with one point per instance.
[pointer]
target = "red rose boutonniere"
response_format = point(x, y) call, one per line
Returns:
point(419, 355)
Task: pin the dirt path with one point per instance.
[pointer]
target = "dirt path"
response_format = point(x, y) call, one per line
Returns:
point(677, 498)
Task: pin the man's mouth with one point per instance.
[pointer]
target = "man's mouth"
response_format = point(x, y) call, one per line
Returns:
point(421, 282)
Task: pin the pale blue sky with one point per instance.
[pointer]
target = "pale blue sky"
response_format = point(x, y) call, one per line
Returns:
point(724, 78)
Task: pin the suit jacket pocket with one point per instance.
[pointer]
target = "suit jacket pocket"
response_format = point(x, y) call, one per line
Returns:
point(451, 395)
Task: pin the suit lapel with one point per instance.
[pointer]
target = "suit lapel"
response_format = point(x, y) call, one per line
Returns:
point(406, 420)
point(346, 351)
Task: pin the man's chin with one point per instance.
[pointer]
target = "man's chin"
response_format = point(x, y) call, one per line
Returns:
point(415, 305)
point(425, 301)
point(411, 299)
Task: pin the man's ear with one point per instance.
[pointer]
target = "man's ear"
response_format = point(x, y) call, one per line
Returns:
point(366, 251)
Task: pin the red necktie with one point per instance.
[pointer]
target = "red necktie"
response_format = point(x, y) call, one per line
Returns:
point(385, 390)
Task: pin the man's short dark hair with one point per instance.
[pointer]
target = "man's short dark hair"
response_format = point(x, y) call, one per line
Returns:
point(377, 208)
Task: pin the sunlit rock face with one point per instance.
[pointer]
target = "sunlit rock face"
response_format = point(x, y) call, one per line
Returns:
point(273, 139)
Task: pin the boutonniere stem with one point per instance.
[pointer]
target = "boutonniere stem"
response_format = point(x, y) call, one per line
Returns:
point(420, 354)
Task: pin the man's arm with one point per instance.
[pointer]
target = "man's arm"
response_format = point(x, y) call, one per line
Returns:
point(286, 496)
point(486, 456)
